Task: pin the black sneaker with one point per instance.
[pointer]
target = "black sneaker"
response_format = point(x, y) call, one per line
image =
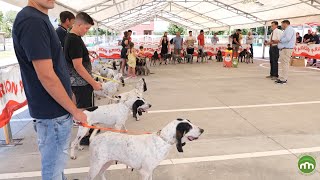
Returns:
point(281, 82)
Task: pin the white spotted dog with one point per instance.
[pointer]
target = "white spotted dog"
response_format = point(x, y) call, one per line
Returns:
point(110, 88)
point(106, 70)
point(141, 152)
point(112, 116)
point(138, 91)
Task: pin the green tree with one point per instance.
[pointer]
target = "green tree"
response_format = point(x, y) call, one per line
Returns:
point(1, 17)
point(6, 22)
point(10, 16)
point(318, 28)
point(172, 29)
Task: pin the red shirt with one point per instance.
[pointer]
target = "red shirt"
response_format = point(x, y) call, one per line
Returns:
point(201, 39)
point(130, 39)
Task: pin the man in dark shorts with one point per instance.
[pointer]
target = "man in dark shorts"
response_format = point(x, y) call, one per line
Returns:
point(235, 43)
point(79, 64)
point(67, 20)
point(46, 85)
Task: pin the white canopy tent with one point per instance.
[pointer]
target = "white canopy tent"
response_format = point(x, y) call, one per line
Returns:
point(118, 15)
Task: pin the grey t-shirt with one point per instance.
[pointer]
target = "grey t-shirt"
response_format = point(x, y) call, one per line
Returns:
point(177, 41)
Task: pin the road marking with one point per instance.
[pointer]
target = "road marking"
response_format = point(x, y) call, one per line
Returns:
point(176, 161)
point(236, 107)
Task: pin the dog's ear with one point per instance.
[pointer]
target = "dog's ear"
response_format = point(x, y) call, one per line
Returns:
point(144, 85)
point(114, 65)
point(181, 130)
point(135, 107)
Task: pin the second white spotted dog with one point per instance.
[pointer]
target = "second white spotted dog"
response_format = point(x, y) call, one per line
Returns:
point(110, 88)
point(138, 91)
point(141, 152)
point(111, 115)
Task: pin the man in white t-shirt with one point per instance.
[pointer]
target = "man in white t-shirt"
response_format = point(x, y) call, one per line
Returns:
point(190, 41)
point(274, 51)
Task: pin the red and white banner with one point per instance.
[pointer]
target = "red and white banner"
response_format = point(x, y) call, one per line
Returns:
point(12, 95)
point(310, 51)
point(113, 52)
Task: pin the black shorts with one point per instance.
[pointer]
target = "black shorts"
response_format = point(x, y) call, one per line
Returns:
point(84, 96)
point(190, 51)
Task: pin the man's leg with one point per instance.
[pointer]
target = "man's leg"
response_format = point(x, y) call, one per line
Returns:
point(251, 49)
point(286, 63)
point(281, 59)
point(271, 55)
point(275, 63)
point(53, 140)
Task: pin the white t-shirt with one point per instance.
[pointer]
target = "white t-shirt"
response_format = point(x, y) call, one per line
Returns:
point(276, 35)
point(190, 41)
point(249, 39)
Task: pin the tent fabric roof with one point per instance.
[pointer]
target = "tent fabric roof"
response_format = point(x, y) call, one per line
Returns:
point(194, 14)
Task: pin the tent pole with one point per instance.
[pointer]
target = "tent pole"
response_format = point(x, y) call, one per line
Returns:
point(97, 33)
point(264, 39)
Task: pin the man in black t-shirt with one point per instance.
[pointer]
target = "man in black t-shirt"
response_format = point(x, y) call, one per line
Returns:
point(67, 20)
point(308, 38)
point(235, 43)
point(79, 63)
point(46, 85)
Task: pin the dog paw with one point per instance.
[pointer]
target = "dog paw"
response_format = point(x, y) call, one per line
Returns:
point(73, 157)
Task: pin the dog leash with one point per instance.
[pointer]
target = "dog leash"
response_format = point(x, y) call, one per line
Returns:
point(95, 75)
point(113, 130)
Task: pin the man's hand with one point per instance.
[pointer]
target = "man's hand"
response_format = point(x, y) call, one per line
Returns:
point(97, 86)
point(79, 116)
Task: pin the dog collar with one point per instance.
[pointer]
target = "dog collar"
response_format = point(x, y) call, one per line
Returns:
point(165, 140)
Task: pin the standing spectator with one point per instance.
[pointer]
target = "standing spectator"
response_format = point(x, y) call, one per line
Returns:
point(286, 45)
point(236, 43)
point(308, 38)
point(164, 44)
point(129, 36)
point(125, 46)
point(67, 20)
point(190, 41)
point(201, 44)
point(299, 38)
point(249, 41)
point(274, 50)
point(315, 40)
point(178, 43)
point(46, 85)
point(214, 39)
point(132, 61)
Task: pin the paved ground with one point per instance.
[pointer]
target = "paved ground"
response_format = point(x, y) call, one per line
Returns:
point(254, 129)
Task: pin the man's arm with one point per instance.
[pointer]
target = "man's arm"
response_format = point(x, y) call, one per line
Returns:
point(53, 85)
point(77, 64)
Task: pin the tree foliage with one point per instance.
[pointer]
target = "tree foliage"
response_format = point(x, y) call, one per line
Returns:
point(6, 22)
point(172, 29)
